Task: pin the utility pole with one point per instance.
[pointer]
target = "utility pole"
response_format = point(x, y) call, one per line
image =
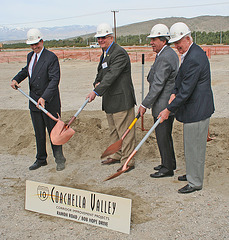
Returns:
point(220, 41)
point(114, 11)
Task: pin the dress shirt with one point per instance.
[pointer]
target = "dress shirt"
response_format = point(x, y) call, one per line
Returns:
point(183, 55)
point(33, 59)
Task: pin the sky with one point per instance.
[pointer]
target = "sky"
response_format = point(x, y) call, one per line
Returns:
point(51, 13)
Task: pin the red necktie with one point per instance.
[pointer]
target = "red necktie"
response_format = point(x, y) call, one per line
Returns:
point(35, 62)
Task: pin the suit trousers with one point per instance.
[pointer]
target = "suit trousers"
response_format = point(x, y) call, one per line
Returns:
point(40, 122)
point(118, 124)
point(165, 144)
point(195, 140)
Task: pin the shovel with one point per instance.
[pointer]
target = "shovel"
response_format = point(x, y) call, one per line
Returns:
point(125, 167)
point(40, 107)
point(62, 132)
point(117, 145)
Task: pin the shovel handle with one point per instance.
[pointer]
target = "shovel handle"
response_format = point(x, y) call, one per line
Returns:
point(148, 133)
point(40, 107)
point(140, 144)
point(135, 120)
point(77, 113)
point(131, 125)
point(81, 108)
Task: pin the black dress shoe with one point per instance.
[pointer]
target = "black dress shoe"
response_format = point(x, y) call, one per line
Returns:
point(129, 168)
point(37, 165)
point(157, 168)
point(110, 161)
point(182, 178)
point(161, 174)
point(188, 189)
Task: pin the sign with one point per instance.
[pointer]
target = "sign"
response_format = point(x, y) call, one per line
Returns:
point(83, 206)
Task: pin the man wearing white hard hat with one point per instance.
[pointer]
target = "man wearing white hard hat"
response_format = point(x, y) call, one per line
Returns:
point(114, 84)
point(43, 72)
point(192, 102)
point(161, 78)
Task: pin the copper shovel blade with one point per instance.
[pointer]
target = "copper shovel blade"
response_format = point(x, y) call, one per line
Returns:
point(61, 133)
point(115, 175)
point(113, 148)
point(124, 168)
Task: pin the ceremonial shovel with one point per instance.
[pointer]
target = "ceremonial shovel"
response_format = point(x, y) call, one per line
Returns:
point(117, 145)
point(40, 107)
point(125, 167)
point(62, 132)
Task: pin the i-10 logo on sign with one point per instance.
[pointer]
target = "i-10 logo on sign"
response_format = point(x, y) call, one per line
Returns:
point(43, 193)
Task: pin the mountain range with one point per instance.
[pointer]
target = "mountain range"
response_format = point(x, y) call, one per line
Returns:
point(201, 23)
point(12, 35)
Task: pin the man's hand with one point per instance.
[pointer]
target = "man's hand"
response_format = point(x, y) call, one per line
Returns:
point(91, 96)
point(172, 98)
point(97, 84)
point(164, 115)
point(14, 84)
point(142, 110)
point(41, 102)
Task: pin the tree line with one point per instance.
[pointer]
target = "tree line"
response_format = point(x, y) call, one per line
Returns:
point(201, 38)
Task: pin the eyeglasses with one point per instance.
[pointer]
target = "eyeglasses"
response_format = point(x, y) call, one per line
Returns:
point(102, 38)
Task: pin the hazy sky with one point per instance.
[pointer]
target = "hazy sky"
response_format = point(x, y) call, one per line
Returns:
point(27, 13)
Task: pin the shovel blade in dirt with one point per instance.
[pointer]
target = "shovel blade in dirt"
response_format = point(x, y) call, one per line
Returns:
point(115, 175)
point(113, 148)
point(125, 167)
point(61, 134)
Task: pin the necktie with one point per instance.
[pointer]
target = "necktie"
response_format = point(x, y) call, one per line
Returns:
point(34, 63)
point(104, 55)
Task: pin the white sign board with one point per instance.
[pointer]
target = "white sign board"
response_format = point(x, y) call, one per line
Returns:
point(93, 208)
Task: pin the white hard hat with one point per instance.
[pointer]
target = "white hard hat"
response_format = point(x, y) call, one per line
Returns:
point(178, 31)
point(103, 30)
point(159, 30)
point(33, 36)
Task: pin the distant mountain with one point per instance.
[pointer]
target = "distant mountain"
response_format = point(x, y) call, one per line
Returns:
point(19, 34)
point(201, 23)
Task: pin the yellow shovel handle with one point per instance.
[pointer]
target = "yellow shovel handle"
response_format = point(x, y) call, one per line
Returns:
point(135, 120)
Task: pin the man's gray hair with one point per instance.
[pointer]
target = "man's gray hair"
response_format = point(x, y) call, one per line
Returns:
point(163, 38)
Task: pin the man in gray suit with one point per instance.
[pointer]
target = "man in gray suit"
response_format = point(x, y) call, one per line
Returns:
point(162, 80)
point(43, 71)
point(192, 102)
point(113, 82)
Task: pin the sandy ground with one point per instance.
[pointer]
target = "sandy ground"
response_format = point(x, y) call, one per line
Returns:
point(158, 211)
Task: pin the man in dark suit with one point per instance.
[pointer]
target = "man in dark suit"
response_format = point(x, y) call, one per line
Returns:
point(43, 71)
point(113, 82)
point(192, 102)
point(162, 80)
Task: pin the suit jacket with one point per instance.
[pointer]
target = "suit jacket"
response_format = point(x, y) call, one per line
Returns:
point(162, 80)
point(114, 76)
point(44, 80)
point(194, 97)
